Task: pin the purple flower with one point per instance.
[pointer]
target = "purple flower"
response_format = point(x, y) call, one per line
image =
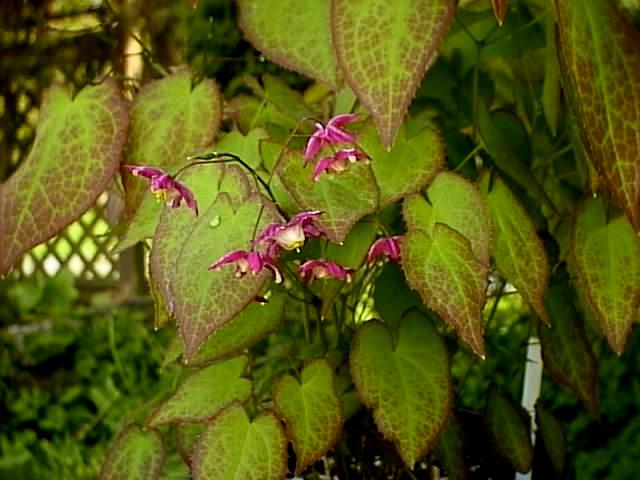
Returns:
point(290, 235)
point(337, 163)
point(161, 181)
point(388, 246)
point(312, 269)
point(330, 134)
point(248, 261)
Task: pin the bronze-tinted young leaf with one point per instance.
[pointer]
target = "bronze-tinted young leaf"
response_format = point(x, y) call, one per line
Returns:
point(170, 119)
point(600, 50)
point(450, 450)
point(233, 447)
point(204, 393)
point(606, 254)
point(499, 10)
point(450, 280)
point(508, 430)
point(312, 411)
point(76, 151)
point(344, 198)
point(406, 381)
point(518, 251)
point(553, 438)
point(136, 455)
point(384, 49)
point(566, 353)
point(294, 34)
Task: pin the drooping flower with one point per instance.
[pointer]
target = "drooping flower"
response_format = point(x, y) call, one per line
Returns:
point(387, 246)
point(338, 162)
point(246, 261)
point(320, 269)
point(161, 183)
point(332, 133)
point(290, 235)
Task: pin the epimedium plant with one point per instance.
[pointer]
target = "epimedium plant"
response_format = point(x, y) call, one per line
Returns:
point(315, 258)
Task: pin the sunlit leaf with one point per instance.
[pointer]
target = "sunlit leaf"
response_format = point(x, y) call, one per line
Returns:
point(499, 10)
point(450, 450)
point(384, 49)
point(247, 147)
point(78, 145)
point(405, 380)
point(186, 435)
point(553, 438)
point(136, 455)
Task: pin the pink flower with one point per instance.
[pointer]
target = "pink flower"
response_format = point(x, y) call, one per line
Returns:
point(388, 246)
point(161, 181)
point(248, 261)
point(312, 269)
point(330, 134)
point(290, 235)
point(338, 163)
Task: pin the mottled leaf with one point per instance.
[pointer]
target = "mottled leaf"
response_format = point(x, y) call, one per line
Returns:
point(606, 254)
point(450, 280)
point(599, 48)
point(76, 151)
point(553, 438)
point(405, 380)
point(294, 34)
point(508, 430)
point(136, 455)
point(204, 393)
point(233, 447)
point(518, 251)
point(311, 410)
point(384, 48)
point(186, 435)
point(499, 10)
point(450, 450)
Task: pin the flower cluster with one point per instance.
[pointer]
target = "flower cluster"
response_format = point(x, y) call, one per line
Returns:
point(164, 186)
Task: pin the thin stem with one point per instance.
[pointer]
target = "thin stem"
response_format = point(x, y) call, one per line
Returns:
point(469, 156)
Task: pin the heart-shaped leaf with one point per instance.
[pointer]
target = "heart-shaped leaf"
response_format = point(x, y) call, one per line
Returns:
point(344, 198)
point(170, 119)
point(606, 254)
point(294, 34)
point(384, 48)
point(553, 438)
point(408, 167)
point(518, 251)
point(598, 48)
point(405, 381)
point(450, 280)
point(204, 393)
point(136, 455)
point(233, 447)
point(77, 148)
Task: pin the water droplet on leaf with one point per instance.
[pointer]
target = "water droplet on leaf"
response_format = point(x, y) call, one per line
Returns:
point(215, 221)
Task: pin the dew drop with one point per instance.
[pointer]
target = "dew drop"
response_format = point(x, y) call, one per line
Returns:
point(215, 221)
point(595, 194)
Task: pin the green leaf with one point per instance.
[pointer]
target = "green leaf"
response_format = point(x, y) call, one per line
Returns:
point(408, 167)
point(450, 450)
point(508, 430)
point(553, 438)
point(311, 410)
point(232, 447)
point(551, 88)
point(607, 259)
point(599, 48)
point(353, 251)
point(566, 353)
point(136, 455)
point(293, 34)
point(170, 119)
point(285, 99)
point(384, 48)
point(186, 435)
point(344, 198)
point(204, 393)
point(247, 147)
point(392, 296)
point(78, 145)
point(457, 203)
point(450, 280)
point(518, 251)
point(405, 381)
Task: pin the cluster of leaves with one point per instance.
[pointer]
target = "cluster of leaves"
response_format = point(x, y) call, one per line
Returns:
point(526, 123)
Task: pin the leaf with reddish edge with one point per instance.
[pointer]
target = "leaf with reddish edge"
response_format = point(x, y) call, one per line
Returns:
point(294, 34)
point(450, 280)
point(499, 10)
point(344, 198)
point(518, 251)
point(405, 380)
point(606, 254)
point(508, 430)
point(566, 353)
point(205, 299)
point(136, 455)
point(599, 47)
point(77, 148)
point(384, 48)
point(553, 438)
point(186, 435)
point(311, 410)
point(457, 203)
point(170, 119)
point(408, 167)
point(233, 447)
